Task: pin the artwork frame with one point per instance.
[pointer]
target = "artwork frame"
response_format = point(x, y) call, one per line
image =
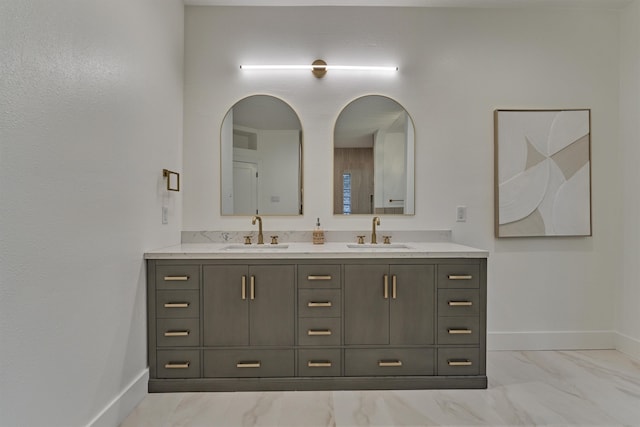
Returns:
point(542, 172)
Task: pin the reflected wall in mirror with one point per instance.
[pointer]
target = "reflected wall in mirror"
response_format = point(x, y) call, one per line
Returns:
point(373, 158)
point(261, 158)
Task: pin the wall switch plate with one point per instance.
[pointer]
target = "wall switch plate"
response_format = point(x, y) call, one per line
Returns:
point(165, 215)
point(461, 214)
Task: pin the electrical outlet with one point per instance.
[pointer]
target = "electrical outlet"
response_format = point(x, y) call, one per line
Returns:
point(461, 214)
point(165, 215)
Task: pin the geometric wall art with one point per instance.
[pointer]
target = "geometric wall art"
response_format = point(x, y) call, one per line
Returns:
point(542, 173)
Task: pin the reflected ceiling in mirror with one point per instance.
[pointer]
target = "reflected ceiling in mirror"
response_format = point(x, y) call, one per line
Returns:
point(373, 158)
point(261, 158)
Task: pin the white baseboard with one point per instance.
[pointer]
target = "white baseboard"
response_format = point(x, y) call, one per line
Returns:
point(122, 405)
point(628, 345)
point(545, 340)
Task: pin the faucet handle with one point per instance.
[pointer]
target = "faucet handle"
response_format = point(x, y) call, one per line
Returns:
point(360, 240)
point(247, 240)
point(274, 240)
point(386, 240)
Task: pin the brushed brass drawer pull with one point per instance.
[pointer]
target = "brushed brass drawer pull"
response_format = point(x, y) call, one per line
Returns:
point(389, 363)
point(176, 334)
point(319, 364)
point(177, 365)
point(459, 331)
point(460, 277)
point(460, 303)
point(394, 285)
point(176, 278)
point(248, 364)
point(176, 305)
point(385, 287)
point(314, 277)
point(319, 332)
point(459, 362)
point(252, 288)
point(319, 304)
point(243, 290)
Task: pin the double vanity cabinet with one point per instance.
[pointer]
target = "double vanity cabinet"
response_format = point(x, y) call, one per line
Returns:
point(299, 320)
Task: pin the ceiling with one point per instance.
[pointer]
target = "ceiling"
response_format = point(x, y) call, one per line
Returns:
point(598, 4)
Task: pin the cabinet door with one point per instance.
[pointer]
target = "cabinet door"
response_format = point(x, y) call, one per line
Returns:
point(412, 307)
point(366, 309)
point(272, 305)
point(226, 305)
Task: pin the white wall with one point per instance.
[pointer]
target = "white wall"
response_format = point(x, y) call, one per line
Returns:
point(456, 67)
point(628, 297)
point(91, 95)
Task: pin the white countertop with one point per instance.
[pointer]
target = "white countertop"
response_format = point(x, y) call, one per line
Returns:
point(300, 250)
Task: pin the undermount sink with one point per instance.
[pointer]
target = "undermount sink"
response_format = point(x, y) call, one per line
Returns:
point(253, 247)
point(381, 246)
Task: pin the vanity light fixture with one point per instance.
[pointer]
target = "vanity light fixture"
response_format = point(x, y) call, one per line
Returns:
point(319, 67)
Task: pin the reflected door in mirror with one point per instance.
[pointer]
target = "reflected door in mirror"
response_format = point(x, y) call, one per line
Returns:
point(245, 188)
point(374, 148)
point(261, 158)
point(358, 192)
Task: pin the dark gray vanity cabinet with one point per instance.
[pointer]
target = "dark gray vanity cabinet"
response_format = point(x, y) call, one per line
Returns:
point(391, 310)
point(316, 324)
point(248, 305)
point(389, 304)
point(245, 309)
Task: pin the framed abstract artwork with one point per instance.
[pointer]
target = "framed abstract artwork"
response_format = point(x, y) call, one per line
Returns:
point(542, 173)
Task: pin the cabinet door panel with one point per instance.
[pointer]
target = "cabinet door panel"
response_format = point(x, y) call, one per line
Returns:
point(366, 312)
point(272, 308)
point(178, 364)
point(319, 276)
point(177, 277)
point(412, 313)
point(225, 313)
point(319, 303)
point(323, 362)
point(389, 361)
point(243, 363)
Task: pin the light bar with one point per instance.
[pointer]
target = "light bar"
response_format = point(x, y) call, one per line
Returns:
point(325, 67)
point(319, 67)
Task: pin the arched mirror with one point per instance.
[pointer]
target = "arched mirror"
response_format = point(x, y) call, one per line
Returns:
point(261, 158)
point(373, 158)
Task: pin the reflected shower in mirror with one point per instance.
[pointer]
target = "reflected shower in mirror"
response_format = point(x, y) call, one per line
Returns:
point(373, 158)
point(261, 158)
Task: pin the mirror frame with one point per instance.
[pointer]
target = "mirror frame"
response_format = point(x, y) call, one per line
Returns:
point(300, 160)
point(412, 165)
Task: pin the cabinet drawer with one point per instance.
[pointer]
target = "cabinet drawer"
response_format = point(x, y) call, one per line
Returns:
point(248, 363)
point(319, 362)
point(319, 303)
point(178, 332)
point(459, 330)
point(319, 331)
point(177, 277)
point(177, 304)
point(458, 361)
point(389, 361)
point(458, 276)
point(318, 276)
point(178, 363)
point(458, 302)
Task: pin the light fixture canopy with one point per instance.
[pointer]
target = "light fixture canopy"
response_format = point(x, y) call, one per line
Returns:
point(319, 67)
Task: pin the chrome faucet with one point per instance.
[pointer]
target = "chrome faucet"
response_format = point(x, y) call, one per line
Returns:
point(374, 238)
point(260, 236)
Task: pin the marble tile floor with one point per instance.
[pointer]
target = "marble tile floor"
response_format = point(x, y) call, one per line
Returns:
point(526, 388)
